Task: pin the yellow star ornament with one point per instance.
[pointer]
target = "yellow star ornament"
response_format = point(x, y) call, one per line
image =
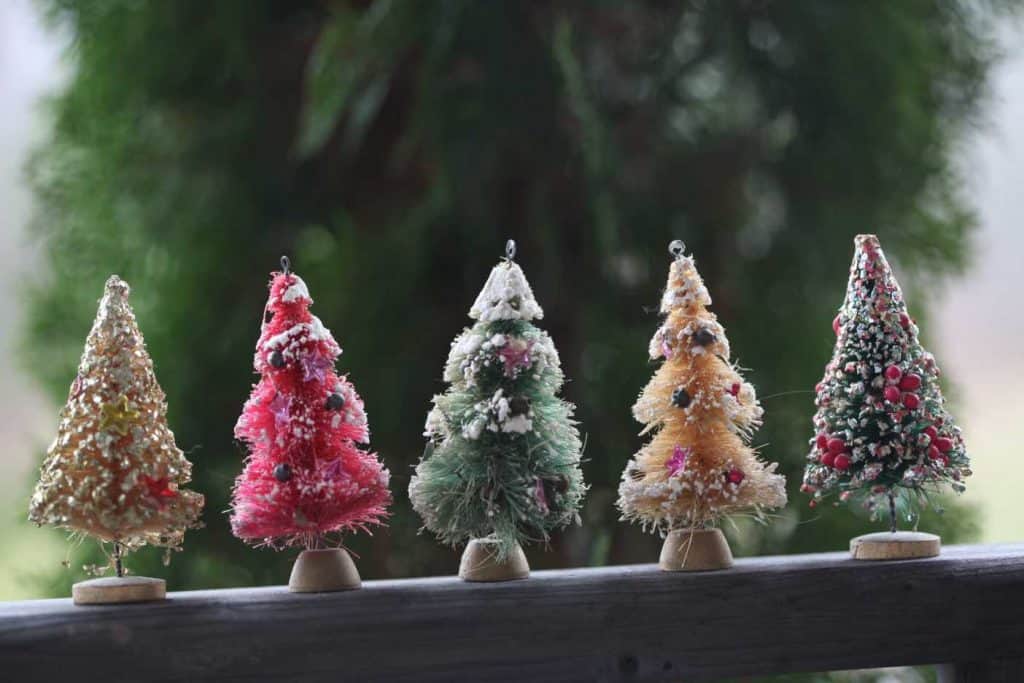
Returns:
point(118, 417)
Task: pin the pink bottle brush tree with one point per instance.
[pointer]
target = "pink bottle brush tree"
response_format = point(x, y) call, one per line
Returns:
point(307, 480)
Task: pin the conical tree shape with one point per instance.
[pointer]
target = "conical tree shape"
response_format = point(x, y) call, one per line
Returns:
point(114, 471)
point(305, 477)
point(698, 466)
point(881, 427)
point(503, 457)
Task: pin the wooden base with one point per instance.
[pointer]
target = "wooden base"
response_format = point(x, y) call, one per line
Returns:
point(324, 571)
point(695, 550)
point(479, 563)
point(899, 545)
point(112, 590)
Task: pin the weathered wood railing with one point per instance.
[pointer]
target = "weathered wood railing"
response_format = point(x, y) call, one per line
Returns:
point(765, 615)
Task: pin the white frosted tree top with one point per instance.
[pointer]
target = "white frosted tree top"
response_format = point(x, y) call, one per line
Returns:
point(506, 296)
point(685, 286)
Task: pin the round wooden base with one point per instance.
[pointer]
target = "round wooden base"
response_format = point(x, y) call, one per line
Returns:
point(899, 545)
point(324, 571)
point(112, 590)
point(695, 550)
point(479, 563)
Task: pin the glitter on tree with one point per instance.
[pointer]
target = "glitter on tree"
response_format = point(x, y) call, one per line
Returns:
point(882, 433)
point(698, 467)
point(306, 477)
point(114, 471)
point(503, 456)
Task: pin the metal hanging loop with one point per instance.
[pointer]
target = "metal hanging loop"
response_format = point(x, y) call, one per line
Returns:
point(510, 250)
point(286, 265)
point(677, 248)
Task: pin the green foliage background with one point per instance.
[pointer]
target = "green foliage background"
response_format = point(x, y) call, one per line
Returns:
point(391, 147)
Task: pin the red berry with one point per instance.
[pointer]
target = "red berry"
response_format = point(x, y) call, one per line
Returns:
point(910, 382)
point(812, 504)
point(828, 460)
point(735, 389)
point(735, 476)
point(836, 324)
point(835, 445)
point(822, 441)
point(911, 401)
point(892, 394)
point(842, 462)
point(934, 453)
point(944, 444)
point(892, 373)
point(930, 432)
point(904, 320)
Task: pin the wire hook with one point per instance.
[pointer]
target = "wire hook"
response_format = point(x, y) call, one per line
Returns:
point(677, 248)
point(286, 265)
point(510, 250)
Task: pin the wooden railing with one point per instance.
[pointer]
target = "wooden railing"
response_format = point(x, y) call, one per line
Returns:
point(634, 623)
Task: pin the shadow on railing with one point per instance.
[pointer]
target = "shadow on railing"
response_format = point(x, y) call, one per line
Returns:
point(634, 623)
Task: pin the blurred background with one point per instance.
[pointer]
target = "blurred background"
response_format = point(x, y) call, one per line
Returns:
point(390, 148)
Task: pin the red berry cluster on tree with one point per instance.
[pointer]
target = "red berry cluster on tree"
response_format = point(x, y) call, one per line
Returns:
point(306, 476)
point(881, 425)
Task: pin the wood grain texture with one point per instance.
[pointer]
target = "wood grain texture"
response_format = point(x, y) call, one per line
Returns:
point(633, 623)
point(323, 571)
point(479, 563)
point(111, 590)
point(695, 550)
point(895, 545)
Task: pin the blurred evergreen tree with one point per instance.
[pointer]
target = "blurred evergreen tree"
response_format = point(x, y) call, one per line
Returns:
point(391, 147)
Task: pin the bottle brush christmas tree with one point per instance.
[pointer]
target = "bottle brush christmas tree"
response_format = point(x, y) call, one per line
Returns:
point(882, 433)
point(502, 463)
point(114, 471)
point(698, 467)
point(306, 480)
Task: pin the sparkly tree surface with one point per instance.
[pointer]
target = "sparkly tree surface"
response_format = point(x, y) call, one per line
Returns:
point(114, 471)
point(699, 465)
point(306, 475)
point(881, 428)
point(503, 455)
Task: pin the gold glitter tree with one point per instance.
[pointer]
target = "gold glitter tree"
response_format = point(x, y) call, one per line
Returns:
point(114, 471)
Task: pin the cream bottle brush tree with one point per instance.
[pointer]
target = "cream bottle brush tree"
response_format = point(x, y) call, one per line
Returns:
point(698, 466)
point(114, 472)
